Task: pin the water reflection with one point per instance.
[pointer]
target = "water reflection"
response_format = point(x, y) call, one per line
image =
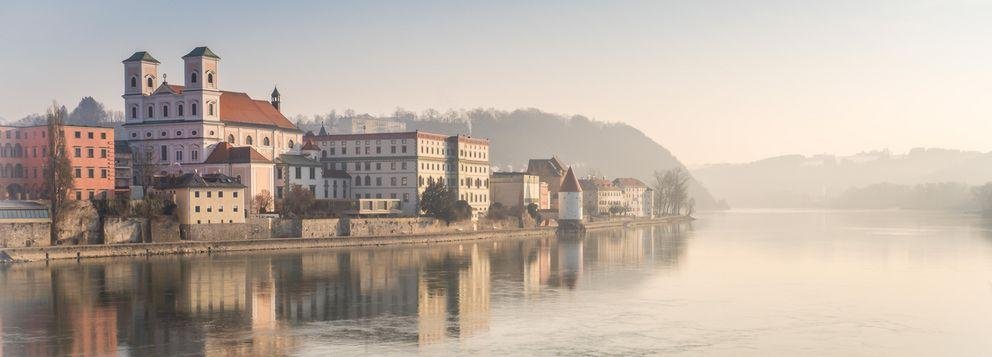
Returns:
point(287, 302)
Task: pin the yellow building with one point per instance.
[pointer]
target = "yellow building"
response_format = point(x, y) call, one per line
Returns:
point(206, 199)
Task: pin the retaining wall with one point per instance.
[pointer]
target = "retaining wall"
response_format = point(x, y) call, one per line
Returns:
point(123, 230)
point(27, 234)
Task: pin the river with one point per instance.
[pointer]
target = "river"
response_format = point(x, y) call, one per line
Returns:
point(732, 283)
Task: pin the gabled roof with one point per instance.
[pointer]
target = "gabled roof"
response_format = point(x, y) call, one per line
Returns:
point(597, 184)
point(141, 56)
point(552, 165)
point(309, 145)
point(195, 180)
point(224, 153)
point(238, 107)
point(170, 88)
point(201, 52)
point(629, 182)
point(297, 160)
point(569, 183)
point(342, 174)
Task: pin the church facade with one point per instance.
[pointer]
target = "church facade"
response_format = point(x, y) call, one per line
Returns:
point(177, 128)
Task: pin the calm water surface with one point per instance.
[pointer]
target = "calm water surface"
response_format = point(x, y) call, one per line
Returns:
point(738, 283)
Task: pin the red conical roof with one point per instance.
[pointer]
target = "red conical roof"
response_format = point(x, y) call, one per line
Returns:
point(569, 183)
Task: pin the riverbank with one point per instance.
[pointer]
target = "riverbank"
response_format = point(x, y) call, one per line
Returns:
point(196, 247)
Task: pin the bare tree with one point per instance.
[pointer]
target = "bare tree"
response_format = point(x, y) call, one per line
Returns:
point(59, 170)
point(671, 191)
point(262, 201)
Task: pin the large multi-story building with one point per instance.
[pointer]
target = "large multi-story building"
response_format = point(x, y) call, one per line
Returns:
point(635, 195)
point(401, 165)
point(177, 127)
point(24, 156)
point(600, 196)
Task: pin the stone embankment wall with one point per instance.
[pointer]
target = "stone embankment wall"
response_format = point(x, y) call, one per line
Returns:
point(123, 230)
point(320, 228)
point(81, 224)
point(401, 226)
point(214, 232)
point(28, 234)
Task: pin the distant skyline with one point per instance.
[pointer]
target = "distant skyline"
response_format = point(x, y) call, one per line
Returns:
point(712, 81)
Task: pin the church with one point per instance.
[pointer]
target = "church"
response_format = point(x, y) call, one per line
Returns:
point(196, 126)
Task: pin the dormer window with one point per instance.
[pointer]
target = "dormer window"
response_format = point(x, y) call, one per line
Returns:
point(192, 78)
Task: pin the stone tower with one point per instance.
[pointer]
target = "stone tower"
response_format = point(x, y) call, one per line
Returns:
point(570, 204)
point(202, 76)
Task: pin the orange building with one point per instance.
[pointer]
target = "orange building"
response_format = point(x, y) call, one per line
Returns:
point(24, 155)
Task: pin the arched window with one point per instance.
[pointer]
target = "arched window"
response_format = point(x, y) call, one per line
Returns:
point(134, 82)
point(192, 109)
point(150, 82)
point(210, 109)
point(165, 111)
point(192, 78)
point(180, 109)
point(249, 141)
point(151, 111)
point(291, 144)
point(265, 141)
point(134, 112)
point(368, 180)
point(230, 138)
point(210, 78)
point(323, 153)
point(358, 180)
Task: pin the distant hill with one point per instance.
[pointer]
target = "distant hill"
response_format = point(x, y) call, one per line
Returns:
point(608, 149)
point(818, 181)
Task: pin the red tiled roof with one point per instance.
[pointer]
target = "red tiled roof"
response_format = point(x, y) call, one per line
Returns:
point(569, 183)
point(310, 146)
point(178, 89)
point(629, 182)
point(594, 184)
point(224, 153)
point(238, 107)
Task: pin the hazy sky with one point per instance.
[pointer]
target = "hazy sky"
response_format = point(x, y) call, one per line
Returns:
point(713, 81)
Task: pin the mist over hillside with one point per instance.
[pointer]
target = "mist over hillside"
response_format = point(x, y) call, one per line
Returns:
point(844, 181)
point(591, 147)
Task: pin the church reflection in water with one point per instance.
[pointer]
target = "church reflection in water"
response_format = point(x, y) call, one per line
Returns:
point(276, 303)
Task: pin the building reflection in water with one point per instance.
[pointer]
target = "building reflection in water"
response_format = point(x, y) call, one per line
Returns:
point(278, 303)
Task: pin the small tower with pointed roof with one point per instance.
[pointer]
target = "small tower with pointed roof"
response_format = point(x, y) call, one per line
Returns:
point(570, 199)
point(276, 98)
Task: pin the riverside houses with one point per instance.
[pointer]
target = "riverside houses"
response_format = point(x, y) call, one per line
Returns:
point(24, 156)
point(401, 165)
point(517, 190)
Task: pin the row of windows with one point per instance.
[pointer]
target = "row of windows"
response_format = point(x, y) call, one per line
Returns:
point(15, 171)
point(89, 135)
point(150, 80)
point(406, 196)
point(163, 134)
point(210, 209)
point(367, 181)
point(220, 194)
point(90, 194)
point(78, 152)
point(17, 134)
point(150, 112)
point(90, 172)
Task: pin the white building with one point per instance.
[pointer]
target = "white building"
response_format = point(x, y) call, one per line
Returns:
point(635, 199)
point(401, 165)
point(570, 200)
point(179, 126)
